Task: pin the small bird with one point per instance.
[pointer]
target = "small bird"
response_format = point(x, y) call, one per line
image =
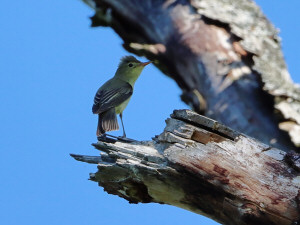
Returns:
point(113, 96)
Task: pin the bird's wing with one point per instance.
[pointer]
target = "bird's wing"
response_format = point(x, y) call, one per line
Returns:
point(107, 99)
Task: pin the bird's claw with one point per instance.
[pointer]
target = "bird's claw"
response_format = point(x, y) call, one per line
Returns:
point(125, 139)
point(113, 139)
point(104, 138)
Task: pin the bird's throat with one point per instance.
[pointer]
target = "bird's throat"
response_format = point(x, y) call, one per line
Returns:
point(129, 76)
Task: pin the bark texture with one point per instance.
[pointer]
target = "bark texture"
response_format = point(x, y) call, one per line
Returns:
point(224, 55)
point(203, 166)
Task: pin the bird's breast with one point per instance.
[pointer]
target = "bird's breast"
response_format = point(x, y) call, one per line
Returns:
point(119, 109)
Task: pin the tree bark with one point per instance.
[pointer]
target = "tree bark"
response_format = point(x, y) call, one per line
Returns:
point(224, 55)
point(205, 167)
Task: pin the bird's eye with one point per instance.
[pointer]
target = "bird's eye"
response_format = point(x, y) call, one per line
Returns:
point(130, 65)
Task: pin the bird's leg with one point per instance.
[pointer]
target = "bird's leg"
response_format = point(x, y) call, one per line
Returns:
point(112, 139)
point(124, 138)
point(124, 134)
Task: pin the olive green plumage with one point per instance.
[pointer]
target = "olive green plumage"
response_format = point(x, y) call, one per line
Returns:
point(113, 96)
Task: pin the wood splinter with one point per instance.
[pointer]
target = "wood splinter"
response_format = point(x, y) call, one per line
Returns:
point(205, 167)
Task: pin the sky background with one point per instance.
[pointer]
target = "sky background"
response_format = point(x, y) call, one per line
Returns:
point(51, 65)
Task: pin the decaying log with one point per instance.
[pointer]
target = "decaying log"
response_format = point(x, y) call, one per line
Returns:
point(224, 55)
point(203, 166)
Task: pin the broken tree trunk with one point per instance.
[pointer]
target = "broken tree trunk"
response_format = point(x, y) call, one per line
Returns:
point(224, 55)
point(207, 168)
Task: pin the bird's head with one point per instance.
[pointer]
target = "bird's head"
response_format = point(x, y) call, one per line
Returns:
point(130, 68)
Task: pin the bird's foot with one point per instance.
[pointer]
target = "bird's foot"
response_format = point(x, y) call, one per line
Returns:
point(104, 138)
point(120, 138)
point(113, 139)
point(125, 139)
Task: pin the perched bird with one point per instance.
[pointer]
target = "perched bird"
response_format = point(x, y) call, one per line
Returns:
point(113, 96)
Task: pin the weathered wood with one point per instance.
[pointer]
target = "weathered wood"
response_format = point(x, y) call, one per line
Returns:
point(224, 55)
point(201, 165)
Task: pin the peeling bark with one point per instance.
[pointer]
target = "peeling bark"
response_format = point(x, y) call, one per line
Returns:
point(205, 167)
point(224, 55)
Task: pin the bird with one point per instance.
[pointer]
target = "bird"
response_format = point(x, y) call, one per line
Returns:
point(113, 96)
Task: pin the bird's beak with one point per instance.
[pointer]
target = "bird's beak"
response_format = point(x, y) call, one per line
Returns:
point(145, 63)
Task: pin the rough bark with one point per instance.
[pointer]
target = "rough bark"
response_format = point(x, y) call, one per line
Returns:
point(207, 168)
point(224, 55)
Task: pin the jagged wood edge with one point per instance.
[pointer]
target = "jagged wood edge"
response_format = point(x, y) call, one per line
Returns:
point(200, 165)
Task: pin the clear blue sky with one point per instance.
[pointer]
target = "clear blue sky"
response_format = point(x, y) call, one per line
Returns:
point(51, 64)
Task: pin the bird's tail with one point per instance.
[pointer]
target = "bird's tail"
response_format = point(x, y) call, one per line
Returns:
point(107, 121)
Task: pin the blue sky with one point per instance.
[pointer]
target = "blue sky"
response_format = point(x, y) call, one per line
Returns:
point(51, 64)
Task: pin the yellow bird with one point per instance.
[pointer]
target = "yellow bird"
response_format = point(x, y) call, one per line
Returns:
point(113, 96)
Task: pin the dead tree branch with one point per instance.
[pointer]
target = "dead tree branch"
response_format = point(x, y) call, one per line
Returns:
point(205, 167)
point(224, 55)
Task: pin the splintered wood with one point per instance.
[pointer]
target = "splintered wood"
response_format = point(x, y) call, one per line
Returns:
point(205, 167)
